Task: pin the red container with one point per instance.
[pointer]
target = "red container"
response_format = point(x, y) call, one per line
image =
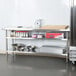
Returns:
point(21, 31)
point(53, 35)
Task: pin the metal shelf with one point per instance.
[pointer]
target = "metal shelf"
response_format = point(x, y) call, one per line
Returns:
point(19, 38)
point(37, 53)
point(22, 29)
point(36, 38)
point(32, 29)
point(38, 30)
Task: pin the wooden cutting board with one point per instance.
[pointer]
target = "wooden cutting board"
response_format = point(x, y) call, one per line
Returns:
point(55, 27)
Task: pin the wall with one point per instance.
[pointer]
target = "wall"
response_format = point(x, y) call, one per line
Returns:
point(52, 12)
point(24, 12)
